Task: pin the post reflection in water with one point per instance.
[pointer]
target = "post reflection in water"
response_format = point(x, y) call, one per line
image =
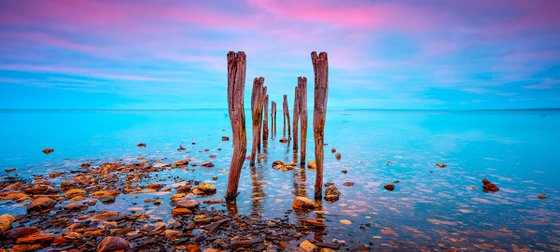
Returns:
point(258, 190)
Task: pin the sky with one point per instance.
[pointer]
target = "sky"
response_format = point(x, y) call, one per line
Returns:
point(116, 54)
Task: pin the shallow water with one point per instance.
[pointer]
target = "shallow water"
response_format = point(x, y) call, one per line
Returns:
point(519, 151)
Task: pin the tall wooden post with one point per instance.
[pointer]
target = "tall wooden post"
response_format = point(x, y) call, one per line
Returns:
point(261, 100)
point(286, 117)
point(273, 119)
point(295, 119)
point(257, 98)
point(236, 89)
point(265, 123)
point(302, 85)
point(321, 70)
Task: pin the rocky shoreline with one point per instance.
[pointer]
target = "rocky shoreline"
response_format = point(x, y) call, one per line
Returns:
point(61, 214)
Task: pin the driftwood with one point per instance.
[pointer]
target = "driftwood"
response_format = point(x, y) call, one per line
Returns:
point(302, 88)
point(286, 117)
point(321, 70)
point(265, 123)
point(295, 119)
point(236, 89)
point(257, 99)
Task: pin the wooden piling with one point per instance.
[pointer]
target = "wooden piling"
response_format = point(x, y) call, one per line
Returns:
point(261, 121)
point(286, 117)
point(302, 86)
point(295, 119)
point(272, 119)
point(321, 70)
point(257, 98)
point(236, 89)
point(265, 124)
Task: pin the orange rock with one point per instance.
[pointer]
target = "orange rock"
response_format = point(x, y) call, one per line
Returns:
point(180, 212)
point(48, 151)
point(36, 238)
point(42, 204)
point(113, 243)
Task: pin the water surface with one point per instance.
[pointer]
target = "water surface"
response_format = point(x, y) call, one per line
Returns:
point(519, 151)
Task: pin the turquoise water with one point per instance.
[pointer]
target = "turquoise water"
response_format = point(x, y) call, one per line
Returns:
point(519, 151)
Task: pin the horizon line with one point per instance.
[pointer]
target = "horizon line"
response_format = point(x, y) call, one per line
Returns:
point(344, 109)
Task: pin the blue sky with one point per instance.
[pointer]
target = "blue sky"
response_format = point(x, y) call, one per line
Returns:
point(382, 54)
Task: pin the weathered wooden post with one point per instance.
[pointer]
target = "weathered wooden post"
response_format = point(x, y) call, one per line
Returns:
point(273, 119)
point(295, 119)
point(256, 109)
point(302, 84)
point(265, 123)
point(286, 117)
point(236, 89)
point(263, 96)
point(321, 70)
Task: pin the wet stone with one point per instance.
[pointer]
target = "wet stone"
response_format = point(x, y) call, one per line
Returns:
point(389, 187)
point(48, 151)
point(113, 243)
point(42, 204)
point(35, 238)
point(6, 221)
point(489, 187)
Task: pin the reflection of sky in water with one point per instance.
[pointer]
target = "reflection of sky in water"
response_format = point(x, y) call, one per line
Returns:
point(518, 151)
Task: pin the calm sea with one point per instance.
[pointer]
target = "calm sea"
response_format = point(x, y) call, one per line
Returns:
point(519, 151)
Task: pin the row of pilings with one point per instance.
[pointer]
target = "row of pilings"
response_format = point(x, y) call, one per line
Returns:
point(259, 111)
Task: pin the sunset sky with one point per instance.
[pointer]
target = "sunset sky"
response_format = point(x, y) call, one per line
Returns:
point(465, 54)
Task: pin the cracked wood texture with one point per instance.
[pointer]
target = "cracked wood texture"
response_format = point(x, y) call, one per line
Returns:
point(265, 123)
point(261, 114)
point(302, 87)
point(321, 70)
point(236, 109)
point(286, 117)
point(257, 99)
point(295, 119)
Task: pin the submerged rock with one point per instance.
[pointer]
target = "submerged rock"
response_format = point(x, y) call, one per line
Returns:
point(142, 145)
point(113, 243)
point(303, 203)
point(48, 151)
point(489, 187)
point(333, 150)
point(283, 140)
point(338, 155)
point(542, 196)
point(42, 204)
point(6, 221)
point(348, 183)
point(181, 148)
point(225, 138)
point(332, 193)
